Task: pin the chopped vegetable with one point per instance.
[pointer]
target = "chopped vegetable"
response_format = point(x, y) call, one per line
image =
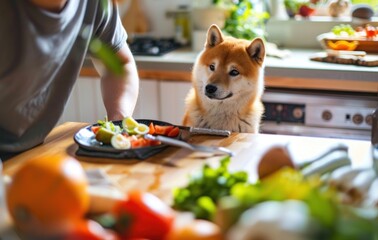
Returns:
point(206, 188)
point(140, 142)
point(163, 130)
point(174, 132)
point(141, 129)
point(142, 216)
point(104, 135)
point(95, 129)
point(119, 141)
point(129, 123)
point(152, 128)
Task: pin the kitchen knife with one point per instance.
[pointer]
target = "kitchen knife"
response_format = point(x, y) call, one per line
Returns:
point(193, 147)
point(205, 131)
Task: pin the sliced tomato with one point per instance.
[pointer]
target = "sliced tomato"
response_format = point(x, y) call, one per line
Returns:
point(137, 143)
point(174, 132)
point(143, 215)
point(152, 128)
point(154, 142)
point(163, 130)
point(95, 129)
point(370, 31)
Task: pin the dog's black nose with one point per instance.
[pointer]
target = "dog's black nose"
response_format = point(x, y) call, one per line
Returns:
point(211, 88)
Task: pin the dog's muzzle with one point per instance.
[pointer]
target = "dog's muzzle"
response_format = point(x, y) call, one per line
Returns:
point(211, 92)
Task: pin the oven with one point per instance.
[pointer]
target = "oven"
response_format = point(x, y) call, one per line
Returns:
point(319, 113)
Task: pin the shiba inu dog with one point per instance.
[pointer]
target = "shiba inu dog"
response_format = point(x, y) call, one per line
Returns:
point(228, 83)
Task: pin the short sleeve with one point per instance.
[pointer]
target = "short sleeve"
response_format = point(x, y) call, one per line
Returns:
point(109, 28)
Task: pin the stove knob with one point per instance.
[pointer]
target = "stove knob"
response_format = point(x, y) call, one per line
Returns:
point(297, 113)
point(279, 108)
point(369, 119)
point(357, 119)
point(326, 115)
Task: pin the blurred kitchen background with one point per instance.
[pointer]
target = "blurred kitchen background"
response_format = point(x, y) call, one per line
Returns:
point(187, 21)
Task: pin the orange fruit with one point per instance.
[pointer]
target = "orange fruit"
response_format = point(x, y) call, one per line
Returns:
point(48, 193)
point(197, 229)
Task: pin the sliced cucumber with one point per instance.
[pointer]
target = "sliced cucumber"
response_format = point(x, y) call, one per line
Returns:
point(141, 129)
point(119, 141)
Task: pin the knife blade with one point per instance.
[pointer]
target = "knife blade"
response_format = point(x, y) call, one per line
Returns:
point(193, 147)
point(205, 131)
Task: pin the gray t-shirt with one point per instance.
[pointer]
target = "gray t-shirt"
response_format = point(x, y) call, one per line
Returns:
point(41, 54)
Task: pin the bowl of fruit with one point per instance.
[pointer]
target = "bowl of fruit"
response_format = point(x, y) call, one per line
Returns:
point(346, 38)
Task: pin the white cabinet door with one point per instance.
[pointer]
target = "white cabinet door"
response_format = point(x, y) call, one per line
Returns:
point(85, 103)
point(148, 101)
point(172, 100)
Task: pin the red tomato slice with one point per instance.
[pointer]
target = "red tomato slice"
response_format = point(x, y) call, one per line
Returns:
point(95, 129)
point(149, 217)
point(139, 142)
point(174, 132)
point(154, 142)
point(163, 130)
point(152, 128)
point(370, 31)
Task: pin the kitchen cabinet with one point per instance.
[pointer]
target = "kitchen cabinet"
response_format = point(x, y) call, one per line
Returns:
point(85, 103)
point(172, 100)
point(160, 100)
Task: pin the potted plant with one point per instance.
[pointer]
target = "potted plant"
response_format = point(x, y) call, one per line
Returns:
point(246, 21)
point(304, 8)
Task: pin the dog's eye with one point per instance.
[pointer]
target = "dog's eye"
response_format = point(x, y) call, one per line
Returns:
point(234, 73)
point(212, 67)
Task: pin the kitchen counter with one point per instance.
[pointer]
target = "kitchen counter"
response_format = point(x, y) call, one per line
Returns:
point(296, 71)
point(170, 168)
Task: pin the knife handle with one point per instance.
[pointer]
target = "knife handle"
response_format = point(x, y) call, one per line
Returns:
point(374, 128)
point(208, 131)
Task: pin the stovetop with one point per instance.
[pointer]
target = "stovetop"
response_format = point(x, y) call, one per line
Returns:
point(149, 46)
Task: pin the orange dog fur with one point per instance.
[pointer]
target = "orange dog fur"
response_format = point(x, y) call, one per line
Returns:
point(228, 83)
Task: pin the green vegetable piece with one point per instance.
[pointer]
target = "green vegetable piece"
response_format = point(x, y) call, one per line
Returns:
point(129, 123)
point(106, 55)
point(209, 184)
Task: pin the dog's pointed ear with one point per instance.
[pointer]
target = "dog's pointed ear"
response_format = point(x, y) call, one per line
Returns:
point(257, 50)
point(214, 36)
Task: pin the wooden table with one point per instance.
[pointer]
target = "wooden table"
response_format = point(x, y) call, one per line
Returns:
point(171, 167)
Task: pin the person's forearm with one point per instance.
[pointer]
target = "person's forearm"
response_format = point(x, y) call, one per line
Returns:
point(120, 93)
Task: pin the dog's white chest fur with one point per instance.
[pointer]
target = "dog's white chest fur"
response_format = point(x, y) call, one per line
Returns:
point(226, 116)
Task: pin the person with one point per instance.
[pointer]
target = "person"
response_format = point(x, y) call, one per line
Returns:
point(43, 44)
